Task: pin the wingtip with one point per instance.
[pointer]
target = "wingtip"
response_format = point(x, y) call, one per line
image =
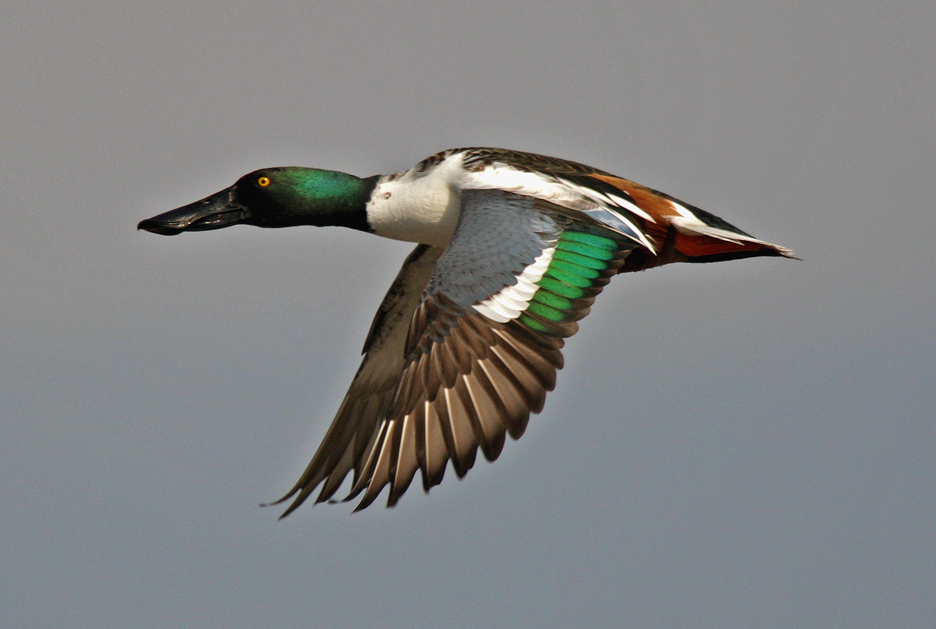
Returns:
point(787, 253)
point(298, 501)
point(289, 509)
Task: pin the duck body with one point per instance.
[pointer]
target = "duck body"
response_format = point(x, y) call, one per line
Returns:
point(512, 250)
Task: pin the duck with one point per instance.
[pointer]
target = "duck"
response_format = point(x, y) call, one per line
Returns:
point(512, 248)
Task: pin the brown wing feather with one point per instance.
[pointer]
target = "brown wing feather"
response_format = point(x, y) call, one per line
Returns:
point(354, 431)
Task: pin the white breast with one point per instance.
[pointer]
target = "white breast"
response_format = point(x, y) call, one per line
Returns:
point(418, 207)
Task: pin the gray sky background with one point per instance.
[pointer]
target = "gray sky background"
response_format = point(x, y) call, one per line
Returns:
point(748, 444)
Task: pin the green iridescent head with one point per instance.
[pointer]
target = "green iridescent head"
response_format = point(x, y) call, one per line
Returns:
point(275, 197)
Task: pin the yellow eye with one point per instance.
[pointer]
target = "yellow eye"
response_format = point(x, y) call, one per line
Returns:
point(263, 181)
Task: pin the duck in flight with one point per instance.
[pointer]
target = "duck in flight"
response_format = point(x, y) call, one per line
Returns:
point(512, 250)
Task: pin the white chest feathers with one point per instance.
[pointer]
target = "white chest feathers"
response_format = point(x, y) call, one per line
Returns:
point(418, 207)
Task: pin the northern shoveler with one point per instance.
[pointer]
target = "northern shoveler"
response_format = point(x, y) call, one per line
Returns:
point(513, 248)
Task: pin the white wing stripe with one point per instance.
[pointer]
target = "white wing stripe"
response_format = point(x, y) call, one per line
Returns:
point(512, 300)
point(630, 207)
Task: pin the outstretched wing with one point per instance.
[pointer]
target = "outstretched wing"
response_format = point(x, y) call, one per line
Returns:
point(353, 431)
point(465, 346)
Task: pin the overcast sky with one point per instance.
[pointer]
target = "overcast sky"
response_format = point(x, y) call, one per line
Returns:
point(745, 444)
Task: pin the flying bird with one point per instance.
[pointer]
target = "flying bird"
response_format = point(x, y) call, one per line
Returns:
point(512, 250)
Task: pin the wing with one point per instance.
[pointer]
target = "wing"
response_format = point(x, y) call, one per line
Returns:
point(675, 230)
point(353, 431)
point(664, 228)
point(462, 362)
